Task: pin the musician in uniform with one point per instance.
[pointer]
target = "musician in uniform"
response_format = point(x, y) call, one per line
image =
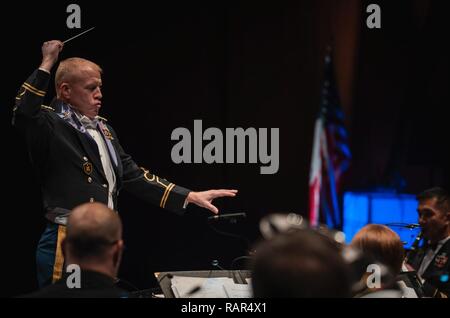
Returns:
point(77, 155)
point(431, 261)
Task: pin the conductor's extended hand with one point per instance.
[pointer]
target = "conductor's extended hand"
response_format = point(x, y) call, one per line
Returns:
point(204, 198)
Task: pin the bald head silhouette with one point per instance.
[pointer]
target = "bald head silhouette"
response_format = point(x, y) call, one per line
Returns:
point(94, 238)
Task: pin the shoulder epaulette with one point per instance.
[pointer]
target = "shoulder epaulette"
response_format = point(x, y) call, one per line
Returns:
point(47, 108)
point(102, 118)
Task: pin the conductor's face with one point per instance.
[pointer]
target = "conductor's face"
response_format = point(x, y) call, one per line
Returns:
point(85, 91)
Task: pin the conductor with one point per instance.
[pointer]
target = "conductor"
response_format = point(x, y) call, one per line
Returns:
point(77, 155)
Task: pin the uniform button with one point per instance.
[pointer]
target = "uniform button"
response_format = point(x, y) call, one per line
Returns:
point(91, 200)
point(85, 158)
point(89, 179)
point(104, 185)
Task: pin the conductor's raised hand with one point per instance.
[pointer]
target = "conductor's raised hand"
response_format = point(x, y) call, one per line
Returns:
point(50, 53)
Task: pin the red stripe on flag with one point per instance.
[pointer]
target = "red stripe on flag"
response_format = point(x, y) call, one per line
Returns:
point(315, 177)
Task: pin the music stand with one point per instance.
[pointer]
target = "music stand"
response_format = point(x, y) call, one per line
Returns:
point(165, 278)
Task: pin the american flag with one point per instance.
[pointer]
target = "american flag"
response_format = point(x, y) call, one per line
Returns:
point(330, 156)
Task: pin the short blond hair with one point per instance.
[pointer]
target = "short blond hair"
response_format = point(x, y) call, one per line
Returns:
point(69, 69)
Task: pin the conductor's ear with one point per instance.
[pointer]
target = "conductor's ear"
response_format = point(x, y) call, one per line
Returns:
point(64, 91)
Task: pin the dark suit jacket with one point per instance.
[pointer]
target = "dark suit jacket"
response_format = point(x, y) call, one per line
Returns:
point(93, 285)
point(67, 161)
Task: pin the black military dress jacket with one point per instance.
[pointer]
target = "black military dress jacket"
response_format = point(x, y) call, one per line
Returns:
point(67, 161)
point(436, 275)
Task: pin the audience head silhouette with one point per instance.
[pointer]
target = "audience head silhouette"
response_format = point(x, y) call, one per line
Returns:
point(303, 263)
point(94, 239)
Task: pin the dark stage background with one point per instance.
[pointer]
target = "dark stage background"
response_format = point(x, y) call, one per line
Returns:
point(232, 64)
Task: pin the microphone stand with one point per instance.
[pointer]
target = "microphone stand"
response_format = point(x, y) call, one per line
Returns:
point(235, 236)
point(241, 238)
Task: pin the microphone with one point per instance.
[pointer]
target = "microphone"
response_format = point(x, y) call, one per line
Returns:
point(230, 216)
point(404, 225)
point(215, 263)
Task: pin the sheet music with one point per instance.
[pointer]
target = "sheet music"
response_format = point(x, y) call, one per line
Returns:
point(199, 287)
point(237, 290)
point(214, 287)
point(408, 292)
